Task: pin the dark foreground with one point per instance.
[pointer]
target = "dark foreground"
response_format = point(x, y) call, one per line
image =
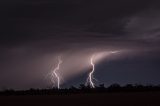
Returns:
point(96, 99)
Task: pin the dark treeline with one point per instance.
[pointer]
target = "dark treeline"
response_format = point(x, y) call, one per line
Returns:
point(83, 89)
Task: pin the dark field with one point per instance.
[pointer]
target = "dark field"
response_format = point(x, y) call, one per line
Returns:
point(96, 99)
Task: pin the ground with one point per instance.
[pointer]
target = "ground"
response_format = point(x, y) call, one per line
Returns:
point(96, 99)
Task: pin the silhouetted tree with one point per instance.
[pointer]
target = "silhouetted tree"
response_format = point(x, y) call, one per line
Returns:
point(83, 89)
point(82, 86)
point(114, 87)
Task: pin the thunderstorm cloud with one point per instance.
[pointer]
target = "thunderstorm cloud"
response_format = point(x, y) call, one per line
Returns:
point(34, 33)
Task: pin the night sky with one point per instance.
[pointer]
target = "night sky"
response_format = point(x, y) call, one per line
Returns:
point(34, 32)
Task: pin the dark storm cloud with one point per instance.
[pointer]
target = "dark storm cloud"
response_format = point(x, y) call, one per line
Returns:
point(30, 30)
point(27, 18)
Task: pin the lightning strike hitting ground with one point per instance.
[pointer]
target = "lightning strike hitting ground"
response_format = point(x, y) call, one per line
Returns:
point(54, 73)
point(90, 76)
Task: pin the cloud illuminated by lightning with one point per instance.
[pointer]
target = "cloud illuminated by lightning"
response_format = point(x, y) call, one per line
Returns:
point(55, 75)
point(114, 51)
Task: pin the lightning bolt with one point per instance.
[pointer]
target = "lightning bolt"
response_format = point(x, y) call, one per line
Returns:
point(90, 76)
point(54, 73)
